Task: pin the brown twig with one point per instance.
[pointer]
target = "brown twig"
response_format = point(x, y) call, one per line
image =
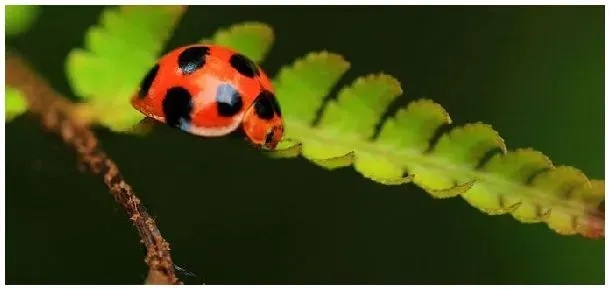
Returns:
point(56, 114)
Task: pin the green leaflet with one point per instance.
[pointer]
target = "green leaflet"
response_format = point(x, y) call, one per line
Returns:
point(253, 39)
point(15, 104)
point(118, 52)
point(19, 18)
point(304, 85)
point(523, 182)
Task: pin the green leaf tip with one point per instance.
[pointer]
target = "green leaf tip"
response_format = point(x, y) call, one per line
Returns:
point(15, 104)
point(451, 191)
point(19, 18)
point(117, 54)
point(285, 149)
point(470, 160)
point(253, 39)
point(335, 162)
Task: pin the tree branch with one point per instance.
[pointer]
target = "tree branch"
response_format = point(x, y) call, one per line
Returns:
point(57, 116)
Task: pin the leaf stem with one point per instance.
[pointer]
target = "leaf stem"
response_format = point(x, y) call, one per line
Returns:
point(57, 115)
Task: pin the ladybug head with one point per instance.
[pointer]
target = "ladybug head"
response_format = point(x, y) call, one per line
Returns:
point(262, 122)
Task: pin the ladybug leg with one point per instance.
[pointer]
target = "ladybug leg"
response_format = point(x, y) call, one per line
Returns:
point(145, 126)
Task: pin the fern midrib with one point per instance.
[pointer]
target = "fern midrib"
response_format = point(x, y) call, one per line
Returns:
point(392, 153)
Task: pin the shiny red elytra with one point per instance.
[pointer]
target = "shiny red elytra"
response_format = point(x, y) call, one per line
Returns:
point(211, 91)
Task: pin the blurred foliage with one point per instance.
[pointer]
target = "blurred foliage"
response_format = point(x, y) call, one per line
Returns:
point(19, 18)
point(14, 102)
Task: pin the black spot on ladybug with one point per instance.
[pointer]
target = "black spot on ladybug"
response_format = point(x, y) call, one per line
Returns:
point(147, 81)
point(276, 105)
point(228, 100)
point(263, 106)
point(244, 65)
point(268, 106)
point(177, 107)
point(192, 59)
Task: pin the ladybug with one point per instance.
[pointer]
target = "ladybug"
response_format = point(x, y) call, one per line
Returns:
point(211, 91)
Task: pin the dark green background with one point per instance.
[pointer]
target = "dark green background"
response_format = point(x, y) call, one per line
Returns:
point(234, 216)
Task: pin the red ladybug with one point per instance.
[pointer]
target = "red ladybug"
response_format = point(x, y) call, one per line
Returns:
point(210, 90)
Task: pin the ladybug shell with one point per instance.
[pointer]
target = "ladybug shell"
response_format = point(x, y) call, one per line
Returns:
point(210, 90)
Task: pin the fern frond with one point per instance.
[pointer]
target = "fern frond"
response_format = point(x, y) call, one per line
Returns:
point(118, 52)
point(19, 18)
point(522, 182)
